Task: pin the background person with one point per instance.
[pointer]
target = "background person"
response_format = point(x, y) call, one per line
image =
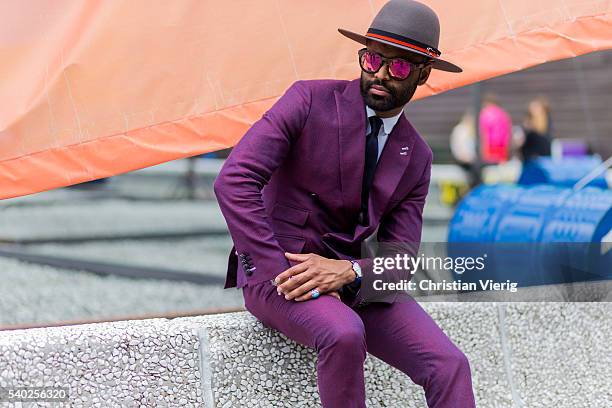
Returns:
point(537, 130)
point(463, 149)
point(495, 132)
point(463, 141)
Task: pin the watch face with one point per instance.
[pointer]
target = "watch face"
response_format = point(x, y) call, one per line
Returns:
point(357, 269)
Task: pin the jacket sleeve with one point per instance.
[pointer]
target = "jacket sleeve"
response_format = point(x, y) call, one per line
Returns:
point(399, 233)
point(248, 169)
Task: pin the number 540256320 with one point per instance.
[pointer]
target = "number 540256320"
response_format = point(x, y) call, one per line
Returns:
point(30, 394)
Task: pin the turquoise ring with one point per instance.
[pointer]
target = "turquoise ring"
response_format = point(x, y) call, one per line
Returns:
point(314, 293)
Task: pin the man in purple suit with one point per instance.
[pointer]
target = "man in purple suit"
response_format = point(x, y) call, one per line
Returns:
point(329, 164)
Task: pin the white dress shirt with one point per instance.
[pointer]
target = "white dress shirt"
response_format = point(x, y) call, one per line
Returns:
point(385, 129)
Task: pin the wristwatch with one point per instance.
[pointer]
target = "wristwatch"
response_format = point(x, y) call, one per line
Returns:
point(356, 284)
point(356, 269)
point(351, 289)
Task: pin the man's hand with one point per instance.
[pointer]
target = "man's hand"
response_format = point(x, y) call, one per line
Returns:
point(313, 271)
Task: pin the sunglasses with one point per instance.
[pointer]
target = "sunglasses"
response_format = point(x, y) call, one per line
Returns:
point(399, 68)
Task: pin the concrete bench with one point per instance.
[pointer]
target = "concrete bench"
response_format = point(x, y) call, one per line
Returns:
point(521, 354)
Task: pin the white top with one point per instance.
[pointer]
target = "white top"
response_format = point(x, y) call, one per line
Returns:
point(385, 129)
point(463, 143)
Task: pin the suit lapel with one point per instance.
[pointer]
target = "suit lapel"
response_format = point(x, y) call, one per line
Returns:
point(391, 166)
point(351, 133)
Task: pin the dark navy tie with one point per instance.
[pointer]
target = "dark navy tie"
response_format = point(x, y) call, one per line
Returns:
point(371, 157)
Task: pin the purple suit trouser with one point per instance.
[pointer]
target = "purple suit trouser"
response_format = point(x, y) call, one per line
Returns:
point(401, 334)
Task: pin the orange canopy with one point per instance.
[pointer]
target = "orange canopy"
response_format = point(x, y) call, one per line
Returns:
point(90, 89)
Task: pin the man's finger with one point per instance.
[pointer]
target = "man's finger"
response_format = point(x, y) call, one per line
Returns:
point(308, 296)
point(297, 257)
point(294, 270)
point(302, 291)
point(293, 282)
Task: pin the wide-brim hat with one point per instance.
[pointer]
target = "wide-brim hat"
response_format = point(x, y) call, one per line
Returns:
point(409, 25)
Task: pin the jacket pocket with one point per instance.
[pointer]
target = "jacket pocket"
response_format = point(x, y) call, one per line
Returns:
point(292, 215)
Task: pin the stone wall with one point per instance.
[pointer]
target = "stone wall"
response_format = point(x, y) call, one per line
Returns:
point(521, 354)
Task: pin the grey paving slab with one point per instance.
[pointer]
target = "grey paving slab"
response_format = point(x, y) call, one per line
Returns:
point(561, 353)
point(147, 363)
point(38, 294)
point(108, 217)
point(199, 255)
point(475, 329)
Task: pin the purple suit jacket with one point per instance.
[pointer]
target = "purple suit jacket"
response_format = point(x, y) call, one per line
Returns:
point(293, 183)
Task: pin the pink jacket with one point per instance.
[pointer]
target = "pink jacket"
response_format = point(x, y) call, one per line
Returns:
point(495, 134)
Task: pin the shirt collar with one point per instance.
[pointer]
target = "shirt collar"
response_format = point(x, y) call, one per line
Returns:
point(388, 123)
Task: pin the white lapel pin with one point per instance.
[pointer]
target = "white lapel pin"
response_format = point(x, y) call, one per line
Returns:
point(405, 148)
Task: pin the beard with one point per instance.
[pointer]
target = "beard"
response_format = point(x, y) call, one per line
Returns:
point(398, 96)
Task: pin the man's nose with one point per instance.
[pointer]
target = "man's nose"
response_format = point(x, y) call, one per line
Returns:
point(383, 72)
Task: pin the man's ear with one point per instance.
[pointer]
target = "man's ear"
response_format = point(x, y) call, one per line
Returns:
point(424, 75)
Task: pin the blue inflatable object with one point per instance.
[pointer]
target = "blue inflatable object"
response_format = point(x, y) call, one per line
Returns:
point(535, 234)
point(561, 172)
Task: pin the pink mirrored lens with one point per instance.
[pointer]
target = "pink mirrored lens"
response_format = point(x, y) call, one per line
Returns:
point(371, 61)
point(399, 68)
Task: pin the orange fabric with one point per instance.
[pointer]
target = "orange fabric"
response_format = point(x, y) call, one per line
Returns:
point(96, 88)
